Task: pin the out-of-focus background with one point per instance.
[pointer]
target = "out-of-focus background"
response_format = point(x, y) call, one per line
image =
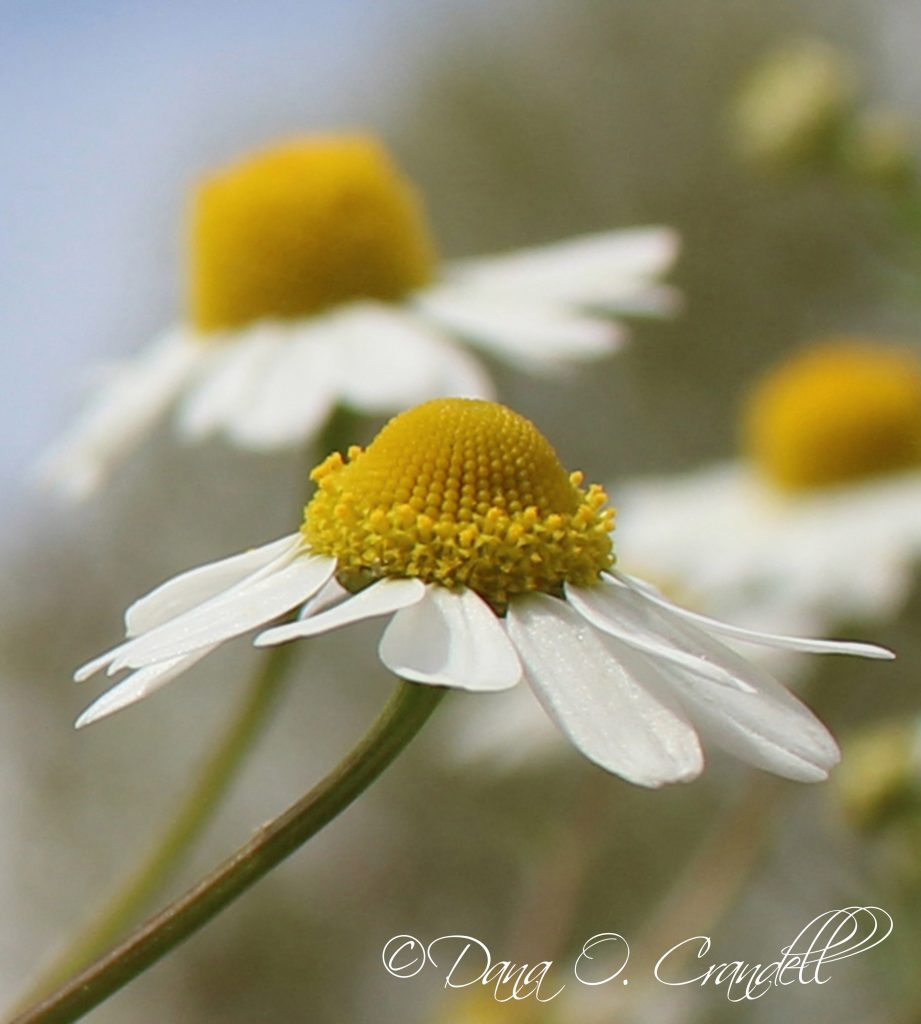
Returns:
point(521, 122)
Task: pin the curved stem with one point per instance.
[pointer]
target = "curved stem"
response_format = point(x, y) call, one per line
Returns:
point(196, 810)
point(403, 716)
point(194, 814)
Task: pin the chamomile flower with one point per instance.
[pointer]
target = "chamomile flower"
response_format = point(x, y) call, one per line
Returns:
point(314, 281)
point(821, 519)
point(494, 565)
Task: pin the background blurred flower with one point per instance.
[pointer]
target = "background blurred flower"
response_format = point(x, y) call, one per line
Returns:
point(819, 521)
point(314, 283)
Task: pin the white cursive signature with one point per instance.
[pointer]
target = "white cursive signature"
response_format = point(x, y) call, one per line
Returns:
point(464, 960)
point(835, 935)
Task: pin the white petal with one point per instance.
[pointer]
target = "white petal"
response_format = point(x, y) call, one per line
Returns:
point(589, 270)
point(138, 685)
point(788, 643)
point(450, 639)
point(291, 393)
point(622, 614)
point(237, 360)
point(768, 728)
point(631, 298)
point(189, 590)
point(460, 374)
point(601, 702)
point(92, 667)
point(390, 360)
point(237, 610)
point(120, 414)
point(332, 592)
point(534, 333)
point(381, 598)
point(673, 630)
point(192, 588)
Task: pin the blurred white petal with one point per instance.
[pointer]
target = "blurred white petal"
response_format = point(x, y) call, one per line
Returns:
point(534, 333)
point(390, 360)
point(599, 269)
point(128, 403)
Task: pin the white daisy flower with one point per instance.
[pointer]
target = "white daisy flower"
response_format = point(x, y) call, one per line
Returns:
point(821, 522)
point(494, 565)
point(314, 282)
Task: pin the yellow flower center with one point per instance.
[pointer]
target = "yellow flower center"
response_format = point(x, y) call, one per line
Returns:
point(460, 492)
point(837, 412)
point(302, 227)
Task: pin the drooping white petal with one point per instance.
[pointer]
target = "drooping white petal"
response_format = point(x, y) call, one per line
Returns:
point(589, 270)
point(292, 393)
point(245, 606)
point(532, 332)
point(138, 685)
point(390, 360)
point(381, 598)
point(676, 631)
point(789, 643)
point(189, 590)
point(238, 360)
point(192, 588)
point(131, 398)
point(92, 667)
point(768, 728)
point(625, 616)
point(599, 701)
point(450, 639)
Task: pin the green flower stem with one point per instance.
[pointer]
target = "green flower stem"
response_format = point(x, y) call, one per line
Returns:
point(403, 716)
point(194, 814)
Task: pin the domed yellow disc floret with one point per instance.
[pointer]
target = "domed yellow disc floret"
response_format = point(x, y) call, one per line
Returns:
point(836, 412)
point(460, 492)
point(301, 227)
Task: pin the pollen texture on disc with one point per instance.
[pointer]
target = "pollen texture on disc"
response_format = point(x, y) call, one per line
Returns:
point(460, 492)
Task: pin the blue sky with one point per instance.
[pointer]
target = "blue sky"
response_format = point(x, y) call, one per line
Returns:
point(109, 108)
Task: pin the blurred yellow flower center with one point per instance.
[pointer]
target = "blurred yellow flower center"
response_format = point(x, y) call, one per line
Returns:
point(460, 492)
point(837, 412)
point(302, 227)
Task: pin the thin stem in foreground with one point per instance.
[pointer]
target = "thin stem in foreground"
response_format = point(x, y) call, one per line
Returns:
point(197, 808)
point(194, 814)
point(403, 716)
